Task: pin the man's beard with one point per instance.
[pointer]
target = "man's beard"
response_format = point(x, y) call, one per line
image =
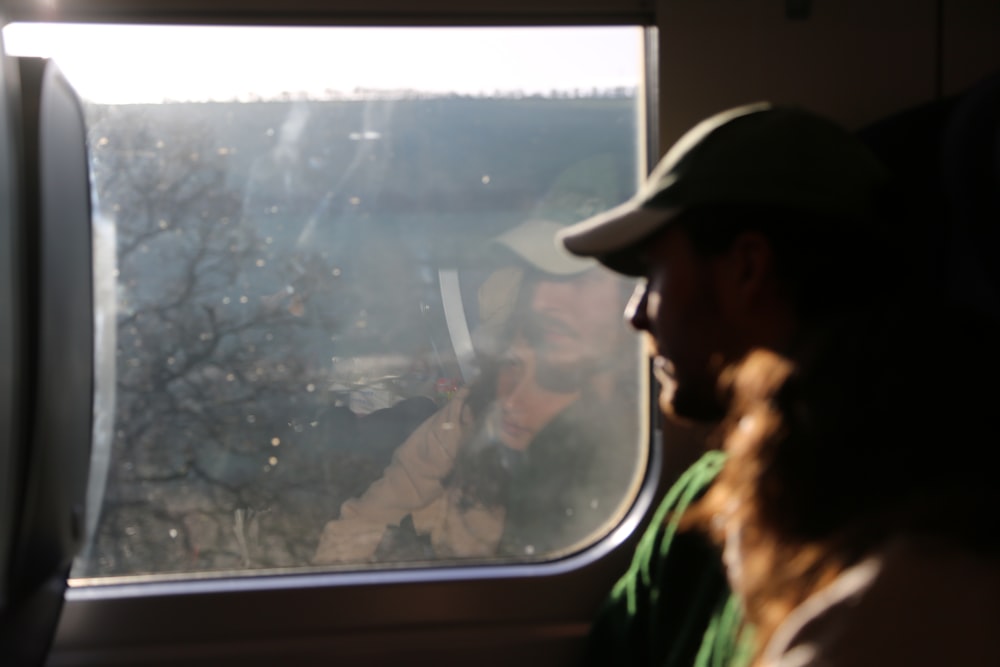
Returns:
point(687, 401)
point(691, 405)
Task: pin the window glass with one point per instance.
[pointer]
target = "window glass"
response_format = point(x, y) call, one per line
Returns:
point(334, 330)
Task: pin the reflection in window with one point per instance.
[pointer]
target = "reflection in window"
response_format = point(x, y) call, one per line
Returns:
point(344, 334)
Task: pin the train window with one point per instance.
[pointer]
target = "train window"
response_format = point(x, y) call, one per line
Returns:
point(333, 329)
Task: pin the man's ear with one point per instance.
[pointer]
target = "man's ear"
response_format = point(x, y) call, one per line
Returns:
point(747, 271)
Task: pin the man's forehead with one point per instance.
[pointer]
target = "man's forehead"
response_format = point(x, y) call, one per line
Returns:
point(659, 248)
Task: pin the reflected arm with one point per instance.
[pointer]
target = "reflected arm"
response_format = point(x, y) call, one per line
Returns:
point(412, 481)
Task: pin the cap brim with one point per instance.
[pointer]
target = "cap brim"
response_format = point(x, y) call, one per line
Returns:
point(615, 237)
point(534, 241)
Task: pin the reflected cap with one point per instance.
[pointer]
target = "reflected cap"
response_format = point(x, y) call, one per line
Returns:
point(534, 241)
point(585, 187)
point(754, 155)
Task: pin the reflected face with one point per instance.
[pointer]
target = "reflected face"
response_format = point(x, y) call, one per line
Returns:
point(575, 320)
point(524, 407)
point(678, 307)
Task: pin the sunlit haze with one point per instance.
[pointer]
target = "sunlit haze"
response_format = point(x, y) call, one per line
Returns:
point(120, 64)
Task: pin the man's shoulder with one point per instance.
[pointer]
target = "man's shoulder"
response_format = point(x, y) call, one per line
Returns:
point(660, 612)
point(913, 601)
point(663, 540)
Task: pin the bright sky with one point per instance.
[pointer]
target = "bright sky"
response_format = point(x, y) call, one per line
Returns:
point(114, 64)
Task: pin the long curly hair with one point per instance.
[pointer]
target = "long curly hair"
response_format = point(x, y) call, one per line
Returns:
point(859, 436)
point(483, 465)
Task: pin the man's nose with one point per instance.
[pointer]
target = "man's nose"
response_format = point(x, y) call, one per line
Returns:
point(636, 311)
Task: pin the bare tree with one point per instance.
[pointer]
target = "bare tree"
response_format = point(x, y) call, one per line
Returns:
point(225, 451)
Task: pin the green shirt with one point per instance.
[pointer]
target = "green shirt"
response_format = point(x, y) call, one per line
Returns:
point(673, 608)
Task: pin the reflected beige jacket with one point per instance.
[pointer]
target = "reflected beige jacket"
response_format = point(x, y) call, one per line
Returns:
point(412, 484)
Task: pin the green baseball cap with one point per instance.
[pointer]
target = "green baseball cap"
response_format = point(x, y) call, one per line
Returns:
point(755, 155)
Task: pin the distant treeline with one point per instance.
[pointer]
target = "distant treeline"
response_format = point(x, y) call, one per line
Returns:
point(431, 164)
point(331, 94)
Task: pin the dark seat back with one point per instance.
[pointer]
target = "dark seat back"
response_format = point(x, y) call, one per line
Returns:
point(944, 159)
point(47, 421)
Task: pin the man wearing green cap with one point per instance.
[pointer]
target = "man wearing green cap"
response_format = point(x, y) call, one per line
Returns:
point(760, 225)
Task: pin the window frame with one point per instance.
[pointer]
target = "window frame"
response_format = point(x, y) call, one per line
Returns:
point(537, 613)
point(341, 12)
